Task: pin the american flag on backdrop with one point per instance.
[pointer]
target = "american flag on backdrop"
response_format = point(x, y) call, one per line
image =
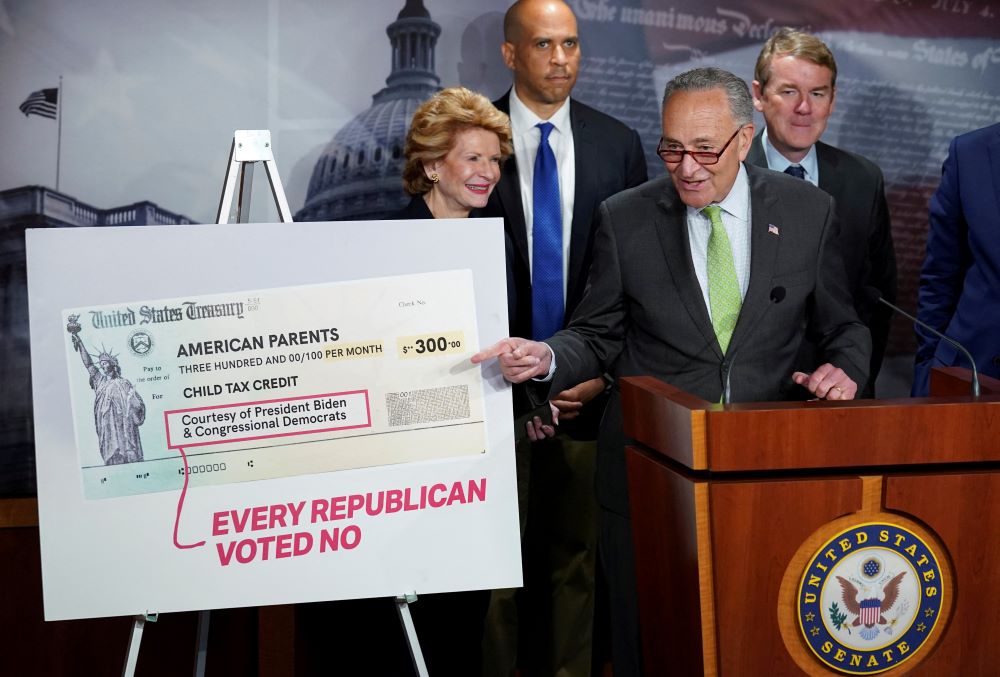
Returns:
point(44, 102)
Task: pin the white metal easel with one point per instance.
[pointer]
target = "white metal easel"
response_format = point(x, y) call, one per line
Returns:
point(403, 603)
point(249, 147)
point(134, 639)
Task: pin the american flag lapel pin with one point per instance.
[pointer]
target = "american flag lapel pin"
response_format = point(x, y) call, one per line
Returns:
point(772, 229)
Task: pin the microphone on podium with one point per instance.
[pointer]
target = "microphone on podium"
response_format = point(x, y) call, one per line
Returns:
point(924, 325)
point(777, 296)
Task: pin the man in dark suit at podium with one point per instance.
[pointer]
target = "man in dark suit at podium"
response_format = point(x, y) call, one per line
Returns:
point(795, 87)
point(568, 157)
point(717, 270)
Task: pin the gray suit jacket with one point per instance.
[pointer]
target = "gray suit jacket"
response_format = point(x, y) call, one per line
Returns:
point(644, 314)
point(858, 190)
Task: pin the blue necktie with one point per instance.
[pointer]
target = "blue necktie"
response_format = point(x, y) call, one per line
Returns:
point(796, 171)
point(547, 248)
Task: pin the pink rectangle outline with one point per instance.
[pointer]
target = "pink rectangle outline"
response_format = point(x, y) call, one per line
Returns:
point(167, 413)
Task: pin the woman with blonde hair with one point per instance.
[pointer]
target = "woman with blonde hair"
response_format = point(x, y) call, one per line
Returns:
point(456, 143)
point(454, 148)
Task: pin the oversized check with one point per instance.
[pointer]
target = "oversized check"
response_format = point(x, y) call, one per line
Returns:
point(274, 383)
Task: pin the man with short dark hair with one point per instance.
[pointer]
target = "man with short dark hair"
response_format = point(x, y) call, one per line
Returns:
point(795, 88)
point(568, 157)
point(684, 268)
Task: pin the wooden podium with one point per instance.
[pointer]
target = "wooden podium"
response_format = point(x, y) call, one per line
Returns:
point(738, 510)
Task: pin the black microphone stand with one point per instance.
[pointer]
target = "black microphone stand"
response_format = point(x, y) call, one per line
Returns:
point(968, 355)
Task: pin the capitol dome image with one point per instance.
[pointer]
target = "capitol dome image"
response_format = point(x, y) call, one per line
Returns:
point(358, 174)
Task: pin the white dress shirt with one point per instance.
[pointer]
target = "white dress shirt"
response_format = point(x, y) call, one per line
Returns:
point(779, 162)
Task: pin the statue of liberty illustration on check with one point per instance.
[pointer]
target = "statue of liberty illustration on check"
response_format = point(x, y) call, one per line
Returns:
point(118, 407)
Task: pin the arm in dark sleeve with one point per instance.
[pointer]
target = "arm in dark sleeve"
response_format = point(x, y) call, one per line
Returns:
point(881, 275)
point(511, 282)
point(944, 268)
point(844, 341)
point(636, 172)
point(596, 332)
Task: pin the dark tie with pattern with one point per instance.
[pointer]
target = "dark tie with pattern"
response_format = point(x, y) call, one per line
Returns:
point(796, 171)
point(547, 245)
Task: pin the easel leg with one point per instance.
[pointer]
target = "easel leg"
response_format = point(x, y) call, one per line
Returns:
point(249, 147)
point(201, 643)
point(403, 607)
point(134, 640)
point(246, 189)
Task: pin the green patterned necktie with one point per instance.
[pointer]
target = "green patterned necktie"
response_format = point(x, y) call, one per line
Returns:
point(723, 286)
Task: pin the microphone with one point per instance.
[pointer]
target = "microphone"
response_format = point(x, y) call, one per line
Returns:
point(924, 325)
point(777, 296)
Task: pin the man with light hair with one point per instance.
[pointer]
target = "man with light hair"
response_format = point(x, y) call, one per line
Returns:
point(795, 88)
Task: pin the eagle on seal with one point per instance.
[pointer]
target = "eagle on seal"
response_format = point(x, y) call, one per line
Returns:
point(869, 611)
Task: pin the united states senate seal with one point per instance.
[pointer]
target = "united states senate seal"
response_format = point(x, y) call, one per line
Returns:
point(870, 598)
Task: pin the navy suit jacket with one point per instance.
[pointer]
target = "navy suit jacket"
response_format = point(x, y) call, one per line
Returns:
point(858, 190)
point(960, 280)
point(609, 159)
